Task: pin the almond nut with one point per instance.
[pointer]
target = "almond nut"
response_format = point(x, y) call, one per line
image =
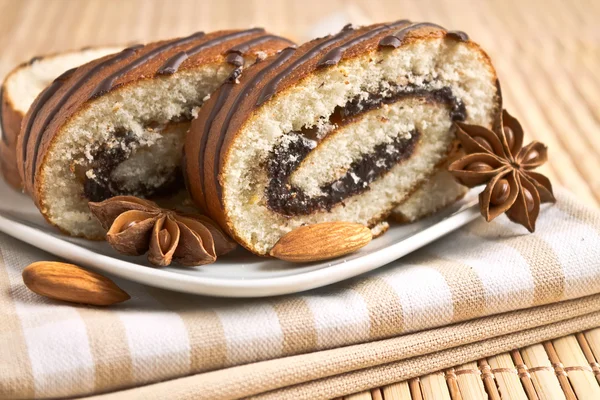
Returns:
point(71, 283)
point(321, 241)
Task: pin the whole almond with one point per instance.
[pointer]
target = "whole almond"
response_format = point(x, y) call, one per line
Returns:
point(71, 283)
point(321, 241)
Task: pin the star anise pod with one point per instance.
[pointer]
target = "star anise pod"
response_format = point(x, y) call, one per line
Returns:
point(499, 160)
point(136, 226)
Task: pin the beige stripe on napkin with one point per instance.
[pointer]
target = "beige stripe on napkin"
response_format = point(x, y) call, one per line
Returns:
point(546, 270)
point(297, 326)
point(16, 376)
point(384, 305)
point(588, 216)
point(208, 348)
point(468, 293)
point(111, 373)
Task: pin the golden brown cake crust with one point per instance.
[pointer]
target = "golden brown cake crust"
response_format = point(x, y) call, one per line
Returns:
point(10, 124)
point(8, 166)
point(223, 116)
point(76, 88)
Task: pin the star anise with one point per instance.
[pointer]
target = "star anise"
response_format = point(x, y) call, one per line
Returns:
point(136, 226)
point(500, 160)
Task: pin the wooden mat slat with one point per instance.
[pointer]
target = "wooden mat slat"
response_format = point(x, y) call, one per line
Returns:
point(576, 366)
point(507, 377)
point(416, 392)
point(469, 381)
point(434, 386)
point(542, 373)
point(396, 391)
point(489, 380)
point(524, 375)
point(376, 394)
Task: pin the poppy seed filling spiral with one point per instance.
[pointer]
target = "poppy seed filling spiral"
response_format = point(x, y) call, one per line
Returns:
point(283, 160)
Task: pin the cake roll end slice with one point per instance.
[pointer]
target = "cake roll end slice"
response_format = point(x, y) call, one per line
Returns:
point(116, 125)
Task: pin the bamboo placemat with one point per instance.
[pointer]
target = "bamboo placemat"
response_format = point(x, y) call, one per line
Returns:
point(547, 54)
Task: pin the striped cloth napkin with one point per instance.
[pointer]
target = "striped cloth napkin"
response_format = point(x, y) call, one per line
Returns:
point(482, 290)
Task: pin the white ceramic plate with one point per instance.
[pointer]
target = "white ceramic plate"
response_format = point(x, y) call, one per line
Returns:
point(238, 274)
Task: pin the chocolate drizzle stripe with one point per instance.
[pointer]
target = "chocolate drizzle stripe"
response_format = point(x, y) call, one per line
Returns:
point(235, 55)
point(281, 58)
point(2, 130)
point(186, 180)
point(107, 84)
point(271, 87)
point(335, 55)
point(34, 59)
point(247, 45)
point(458, 35)
point(43, 98)
point(172, 64)
point(128, 52)
point(235, 59)
point(395, 40)
point(223, 94)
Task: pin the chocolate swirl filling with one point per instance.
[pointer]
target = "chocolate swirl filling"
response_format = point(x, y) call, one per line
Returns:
point(97, 177)
point(287, 199)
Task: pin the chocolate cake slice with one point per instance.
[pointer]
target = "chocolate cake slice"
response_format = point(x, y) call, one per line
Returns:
point(115, 126)
point(344, 128)
point(20, 88)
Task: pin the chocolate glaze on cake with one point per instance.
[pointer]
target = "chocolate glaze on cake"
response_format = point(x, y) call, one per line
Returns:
point(57, 104)
point(334, 55)
point(35, 110)
point(271, 87)
point(395, 40)
point(172, 64)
